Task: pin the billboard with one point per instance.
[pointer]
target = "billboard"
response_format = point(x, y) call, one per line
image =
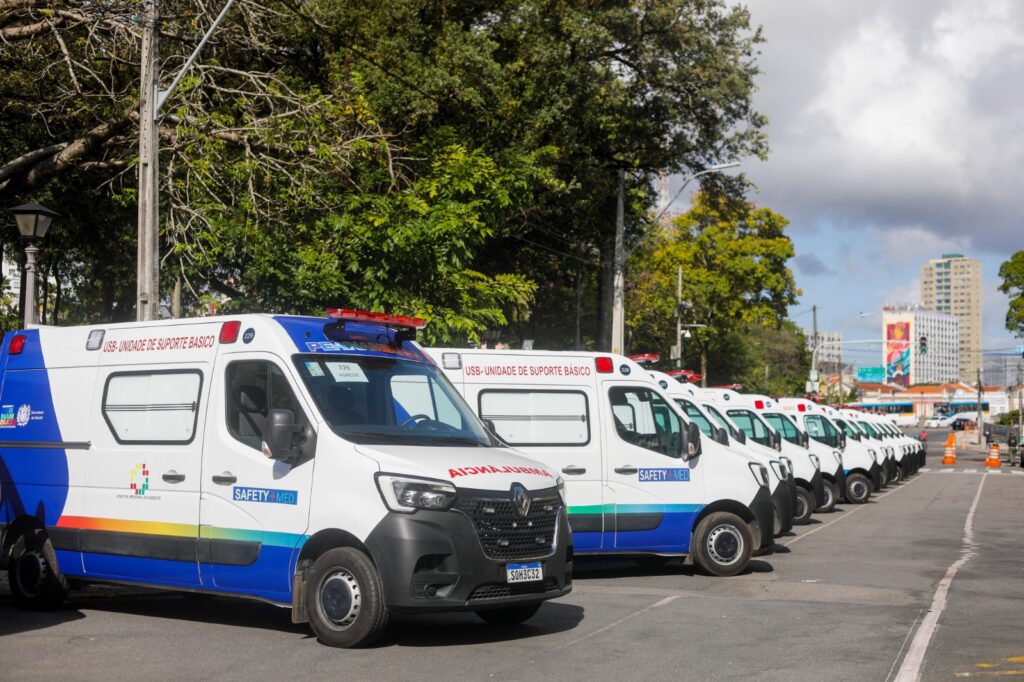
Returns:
point(897, 353)
point(870, 375)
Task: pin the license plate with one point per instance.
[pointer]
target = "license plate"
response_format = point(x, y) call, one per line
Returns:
point(524, 573)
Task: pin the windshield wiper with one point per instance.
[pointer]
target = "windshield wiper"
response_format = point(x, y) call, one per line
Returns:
point(446, 440)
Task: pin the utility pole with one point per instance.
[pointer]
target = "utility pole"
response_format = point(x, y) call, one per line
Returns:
point(1020, 411)
point(814, 344)
point(618, 284)
point(981, 416)
point(148, 275)
point(679, 318)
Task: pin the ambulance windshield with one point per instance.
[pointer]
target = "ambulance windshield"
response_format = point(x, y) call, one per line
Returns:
point(370, 399)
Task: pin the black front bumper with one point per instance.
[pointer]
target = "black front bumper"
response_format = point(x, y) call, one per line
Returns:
point(764, 516)
point(876, 475)
point(818, 486)
point(782, 502)
point(434, 561)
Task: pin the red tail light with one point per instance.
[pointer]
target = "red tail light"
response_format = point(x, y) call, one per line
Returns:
point(382, 318)
point(17, 344)
point(229, 331)
point(604, 365)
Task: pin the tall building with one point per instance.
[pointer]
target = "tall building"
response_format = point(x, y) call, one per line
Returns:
point(904, 328)
point(952, 284)
point(830, 352)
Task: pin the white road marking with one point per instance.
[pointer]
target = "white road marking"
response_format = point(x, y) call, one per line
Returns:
point(910, 670)
point(995, 471)
point(847, 514)
point(970, 471)
point(656, 605)
point(945, 471)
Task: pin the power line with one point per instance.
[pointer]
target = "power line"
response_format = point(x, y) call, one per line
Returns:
point(553, 250)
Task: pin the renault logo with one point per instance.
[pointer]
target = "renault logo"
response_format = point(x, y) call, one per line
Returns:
point(520, 499)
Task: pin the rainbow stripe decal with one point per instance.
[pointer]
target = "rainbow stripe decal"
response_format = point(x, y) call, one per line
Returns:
point(272, 538)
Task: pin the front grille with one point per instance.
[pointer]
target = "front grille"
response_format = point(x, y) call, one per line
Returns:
point(503, 590)
point(504, 534)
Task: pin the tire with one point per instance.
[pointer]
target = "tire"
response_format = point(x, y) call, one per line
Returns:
point(805, 504)
point(345, 599)
point(510, 615)
point(722, 544)
point(831, 496)
point(884, 475)
point(897, 474)
point(35, 579)
point(858, 488)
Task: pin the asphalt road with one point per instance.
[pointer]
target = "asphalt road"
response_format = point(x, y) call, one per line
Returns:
point(845, 598)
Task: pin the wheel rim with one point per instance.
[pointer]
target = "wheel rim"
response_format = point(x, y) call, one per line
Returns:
point(828, 496)
point(339, 599)
point(725, 545)
point(31, 573)
point(858, 490)
point(801, 506)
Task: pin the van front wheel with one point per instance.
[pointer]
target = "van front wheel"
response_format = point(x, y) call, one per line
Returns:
point(35, 580)
point(722, 544)
point(858, 488)
point(804, 507)
point(345, 599)
point(831, 495)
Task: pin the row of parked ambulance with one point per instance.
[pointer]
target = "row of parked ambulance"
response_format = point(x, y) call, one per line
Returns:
point(333, 466)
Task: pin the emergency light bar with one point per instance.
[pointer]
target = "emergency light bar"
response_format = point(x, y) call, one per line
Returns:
point(645, 357)
point(381, 318)
point(17, 344)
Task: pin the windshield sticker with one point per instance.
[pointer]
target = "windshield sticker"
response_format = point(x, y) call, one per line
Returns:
point(491, 469)
point(664, 475)
point(347, 372)
point(314, 369)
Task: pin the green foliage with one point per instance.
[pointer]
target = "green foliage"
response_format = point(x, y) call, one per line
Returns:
point(735, 280)
point(1012, 274)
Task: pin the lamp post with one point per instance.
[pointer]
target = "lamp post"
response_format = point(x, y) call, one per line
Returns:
point(839, 362)
point(621, 254)
point(33, 222)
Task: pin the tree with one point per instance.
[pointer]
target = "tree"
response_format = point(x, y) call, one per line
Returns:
point(1012, 274)
point(733, 257)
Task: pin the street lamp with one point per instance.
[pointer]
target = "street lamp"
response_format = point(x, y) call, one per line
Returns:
point(621, 254)
point(33, 222)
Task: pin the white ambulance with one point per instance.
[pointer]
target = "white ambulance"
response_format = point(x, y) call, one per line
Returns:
point(887, 453)
point(743, 410)
point(718, 428)
point(322, 464)
point(639, 480)
point(824, 425)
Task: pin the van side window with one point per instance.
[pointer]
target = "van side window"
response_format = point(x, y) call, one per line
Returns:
point(644, 419)
point(783, 426)
point(752, 426)
point(696, 417)
point(524, 417)
point(254, 387)
point(155, 408)
point(821, 430)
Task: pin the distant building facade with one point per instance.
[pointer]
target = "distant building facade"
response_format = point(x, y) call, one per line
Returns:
point(830, 354)
point(952, 284)
point(903, 329)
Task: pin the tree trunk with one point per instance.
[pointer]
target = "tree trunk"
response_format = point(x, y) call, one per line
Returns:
point(42, 279)
point(703, 368)
point(57, 296)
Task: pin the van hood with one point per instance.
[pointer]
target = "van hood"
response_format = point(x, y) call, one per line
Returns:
point(476, 468)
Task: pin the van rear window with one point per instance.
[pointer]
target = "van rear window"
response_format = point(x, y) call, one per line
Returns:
point(524, 417)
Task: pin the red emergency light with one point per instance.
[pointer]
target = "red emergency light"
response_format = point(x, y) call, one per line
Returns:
point(604, 365)
point(645, 357)
point(229, 331)
point(800, 407)
point(758, 404)
point(380, 318)
point(17, 344)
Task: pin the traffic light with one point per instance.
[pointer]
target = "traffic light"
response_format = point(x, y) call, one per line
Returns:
point(924, 345)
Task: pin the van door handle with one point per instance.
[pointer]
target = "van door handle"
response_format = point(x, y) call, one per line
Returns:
point(173, 476)
point(226, 478)
point(629, 469)
point(573, 470)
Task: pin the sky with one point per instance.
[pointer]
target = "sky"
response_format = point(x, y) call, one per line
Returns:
point(896, 134)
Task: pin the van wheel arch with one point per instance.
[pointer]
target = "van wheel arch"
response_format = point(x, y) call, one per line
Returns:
point(732, 506)
point(20, 527)
point(320, 542)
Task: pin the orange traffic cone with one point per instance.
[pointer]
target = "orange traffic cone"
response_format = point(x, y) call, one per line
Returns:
point(949, 456)
point(993, 460)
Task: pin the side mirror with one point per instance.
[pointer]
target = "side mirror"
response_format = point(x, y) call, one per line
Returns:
point(692, 445)
point(489, 425)
point(842, 440)
point(721, 436)
point(280, 440)
point(741, 437)
point(776, 440)
point(804, 440)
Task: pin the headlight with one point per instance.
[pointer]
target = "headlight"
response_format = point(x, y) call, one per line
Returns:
point(839, 458)
point(874, 455)
point(816, 462)
point(760, 474)
point(780, 470)
point(407, 493)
